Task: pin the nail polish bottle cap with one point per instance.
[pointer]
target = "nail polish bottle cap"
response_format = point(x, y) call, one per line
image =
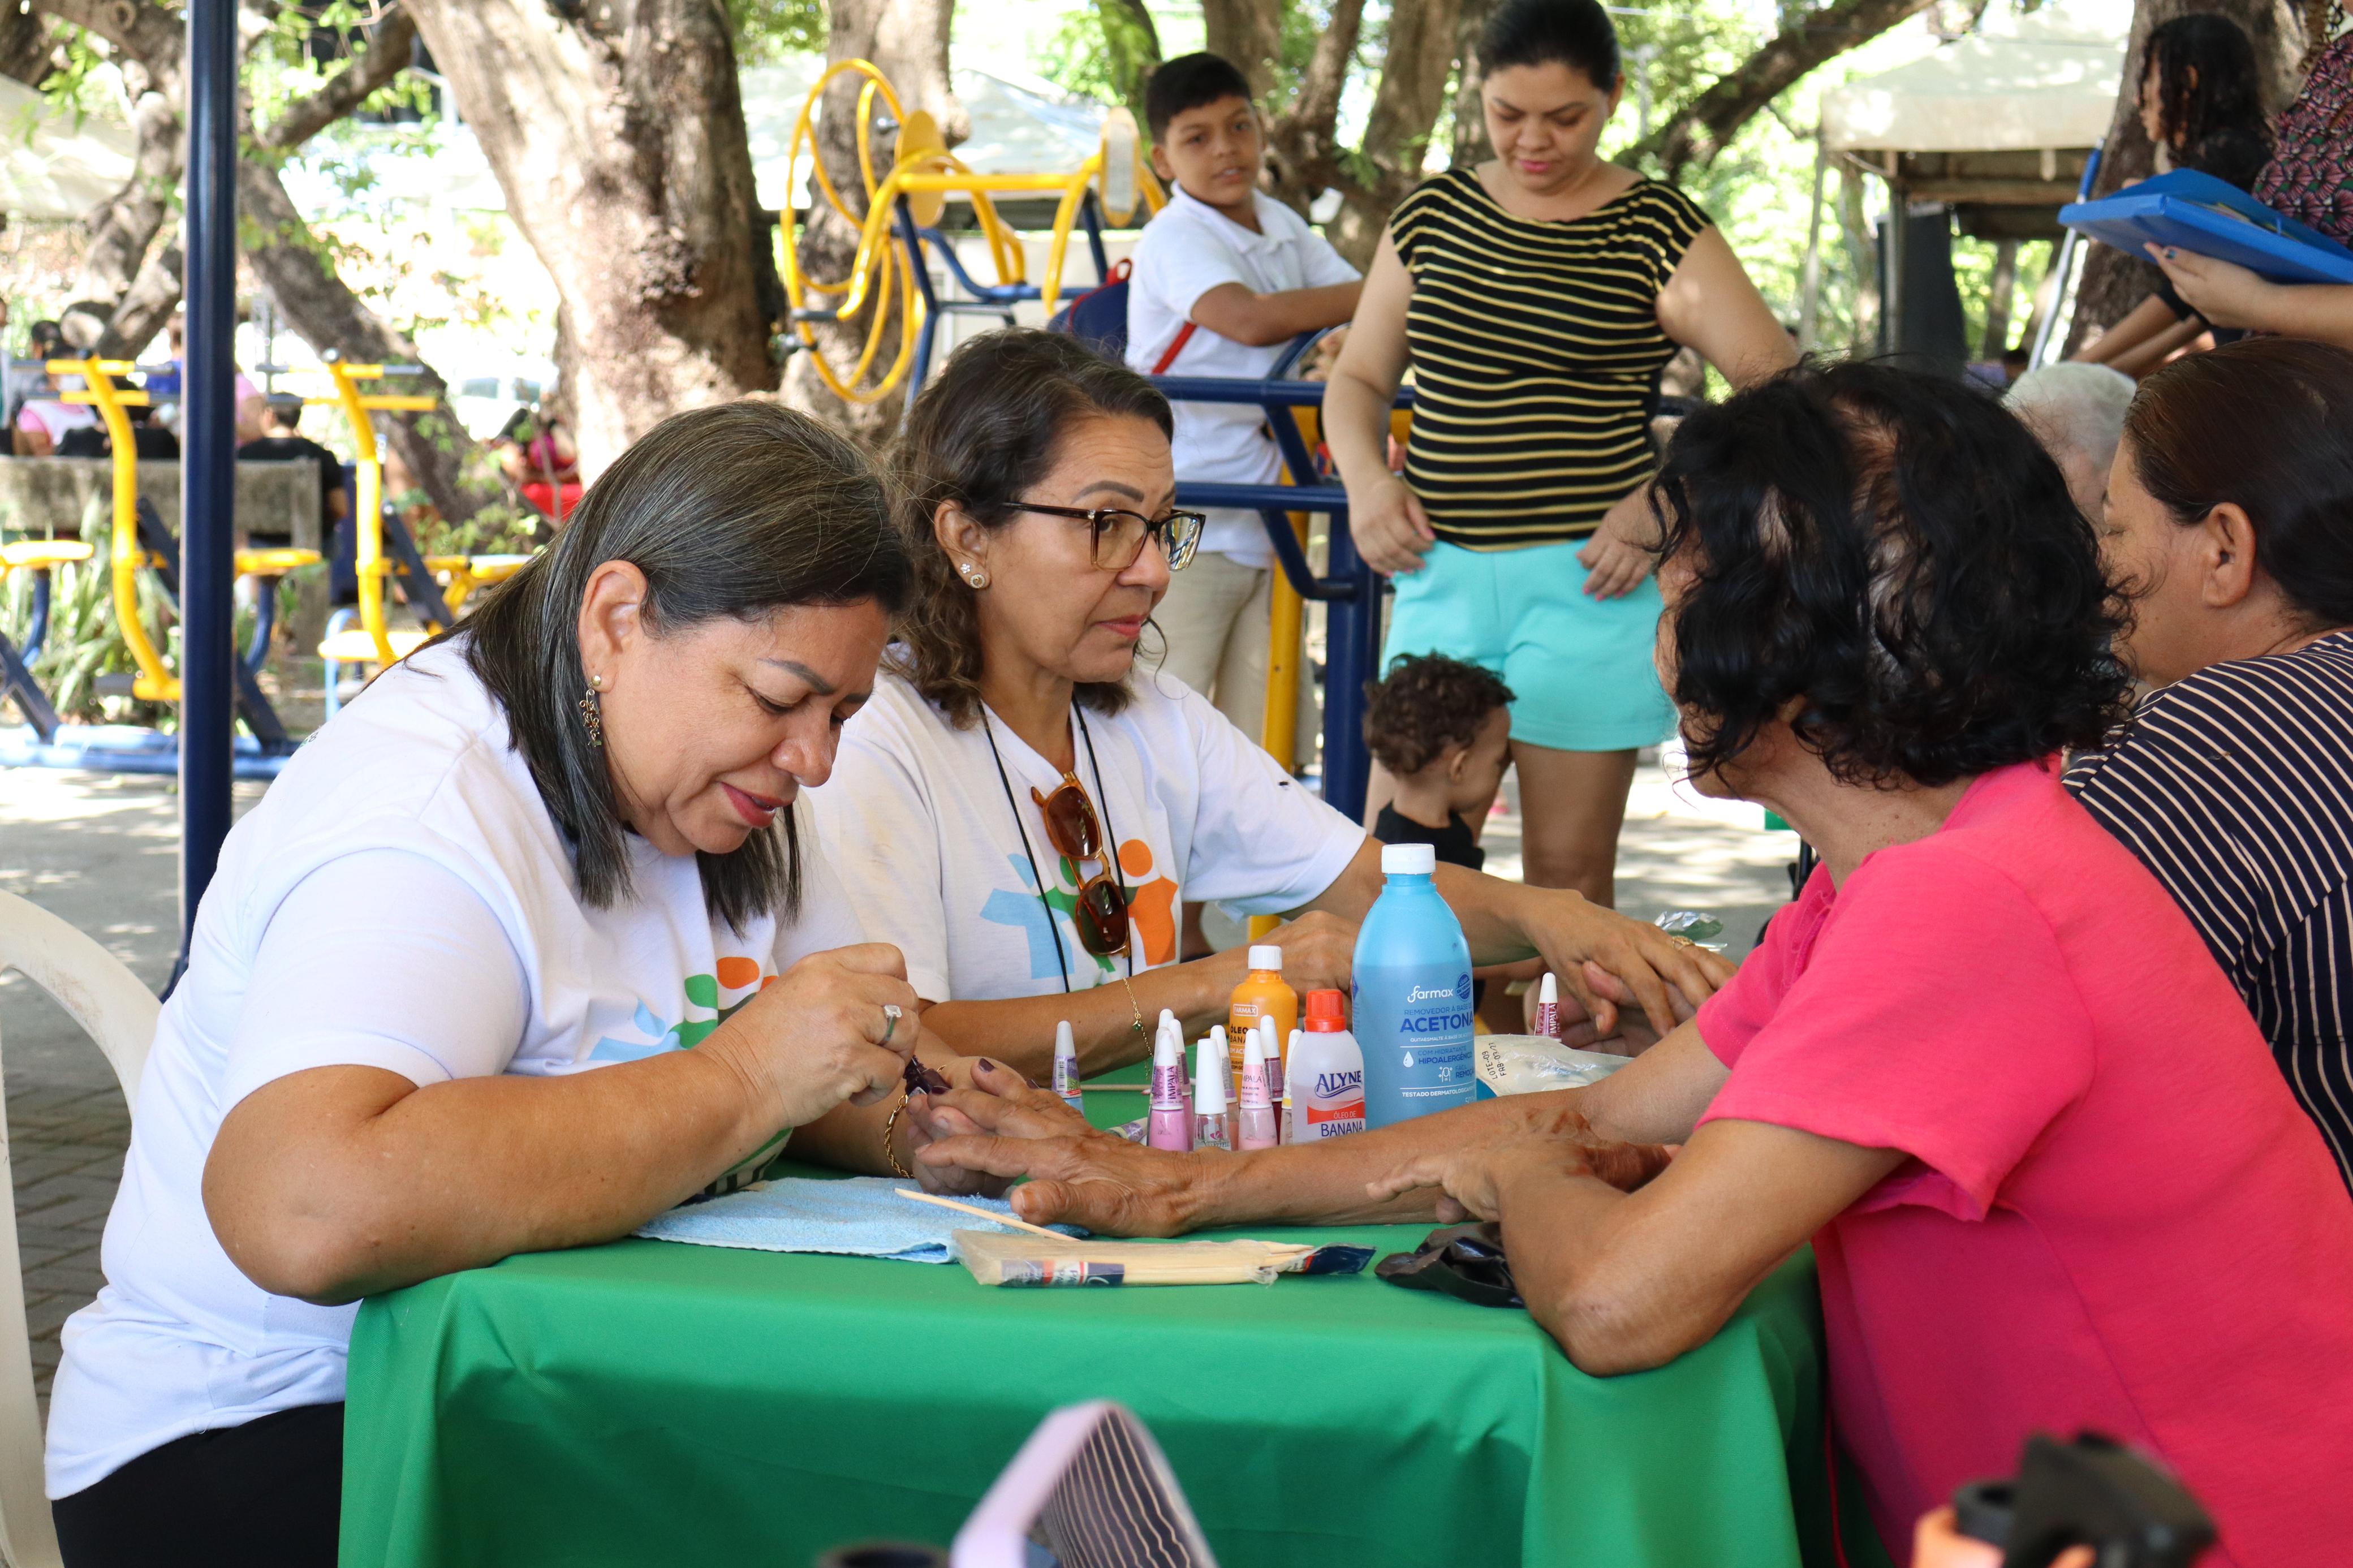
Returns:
point(1209, 1075)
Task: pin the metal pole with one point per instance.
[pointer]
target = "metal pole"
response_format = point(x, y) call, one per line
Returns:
point(2061, 268)
point(207, 457)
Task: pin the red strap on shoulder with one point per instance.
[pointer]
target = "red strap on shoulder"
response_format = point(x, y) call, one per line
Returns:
point(1184, 336)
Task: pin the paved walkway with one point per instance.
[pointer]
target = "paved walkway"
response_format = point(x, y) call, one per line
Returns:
point(104, 853)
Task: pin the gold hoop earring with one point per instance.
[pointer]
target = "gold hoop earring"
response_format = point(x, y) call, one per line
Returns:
point(592, 713)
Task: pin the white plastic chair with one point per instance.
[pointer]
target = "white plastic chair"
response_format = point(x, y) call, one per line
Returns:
point(107, 1000)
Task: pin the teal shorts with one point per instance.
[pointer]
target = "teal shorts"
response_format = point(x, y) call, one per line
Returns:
point(1580, 667)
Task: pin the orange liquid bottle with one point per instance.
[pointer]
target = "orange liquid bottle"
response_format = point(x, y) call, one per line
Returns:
point(1261, 995)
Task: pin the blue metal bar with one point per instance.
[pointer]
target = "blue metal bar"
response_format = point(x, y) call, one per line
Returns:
point(17, 681)
point(987, 293)
point(208, 664)
point(1092, 217)
point(913, 238)
point(1350, 591)
point(38, 632)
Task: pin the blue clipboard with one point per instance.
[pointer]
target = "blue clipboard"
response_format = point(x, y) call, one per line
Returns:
point(2208, 216)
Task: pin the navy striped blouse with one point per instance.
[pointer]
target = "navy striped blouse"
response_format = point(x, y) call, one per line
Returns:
point(2235, 787)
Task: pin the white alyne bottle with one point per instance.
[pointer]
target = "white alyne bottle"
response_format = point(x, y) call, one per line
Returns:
point(1327, 1073)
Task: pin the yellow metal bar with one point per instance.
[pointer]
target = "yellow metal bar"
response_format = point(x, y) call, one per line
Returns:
point(1074, 191)
point(1284, 657)
point(368, 468)
point(154, 681)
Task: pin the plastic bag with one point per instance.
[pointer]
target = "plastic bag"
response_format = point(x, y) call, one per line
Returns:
point(1530, 1064)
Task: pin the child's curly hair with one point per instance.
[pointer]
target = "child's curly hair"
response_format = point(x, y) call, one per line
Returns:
point(1426, 703)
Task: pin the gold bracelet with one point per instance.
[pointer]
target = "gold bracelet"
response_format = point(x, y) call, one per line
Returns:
point(890, 1126)
point(1133, 1006)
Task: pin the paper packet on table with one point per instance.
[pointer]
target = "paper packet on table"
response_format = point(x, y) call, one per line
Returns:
point(1530, 1064)
point(1001, 1258)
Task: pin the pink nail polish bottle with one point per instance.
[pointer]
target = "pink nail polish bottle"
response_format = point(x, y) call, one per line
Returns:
point(1210, 1130)
point(1171, 1124)
point(1254, 1127)
point(1548, 1006)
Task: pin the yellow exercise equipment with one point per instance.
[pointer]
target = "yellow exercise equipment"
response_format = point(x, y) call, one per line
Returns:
point(154, 681)
point(925, 173)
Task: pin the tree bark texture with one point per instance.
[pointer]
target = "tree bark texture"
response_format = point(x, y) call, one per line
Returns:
point(1302, 144)
point(908, 39)
point(1471, 147)
point(1250, 34)
point(1422, 46)
point(617, 134)
point(2114, 283)
point(122, 230)
point(26, 48)
point(1704, 126)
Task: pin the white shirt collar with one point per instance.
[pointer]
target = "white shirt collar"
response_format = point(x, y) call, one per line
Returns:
point(1241, 239)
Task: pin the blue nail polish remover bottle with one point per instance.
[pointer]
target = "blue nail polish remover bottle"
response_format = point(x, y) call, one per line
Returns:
point(1413, 995)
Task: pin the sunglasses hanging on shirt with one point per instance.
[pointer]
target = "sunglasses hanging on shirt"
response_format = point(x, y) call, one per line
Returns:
point(1075, 832)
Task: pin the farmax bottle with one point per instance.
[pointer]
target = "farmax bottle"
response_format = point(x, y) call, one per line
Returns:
point(1328, 1075)
point(1413, 995)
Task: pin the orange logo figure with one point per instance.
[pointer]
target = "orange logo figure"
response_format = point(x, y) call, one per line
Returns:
point(1152, 906)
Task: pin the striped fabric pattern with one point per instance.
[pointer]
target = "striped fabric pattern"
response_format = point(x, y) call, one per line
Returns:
point(1536, 353)
point(2235, 788)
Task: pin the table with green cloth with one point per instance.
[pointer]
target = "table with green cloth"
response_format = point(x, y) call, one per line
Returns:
point(648, 1403)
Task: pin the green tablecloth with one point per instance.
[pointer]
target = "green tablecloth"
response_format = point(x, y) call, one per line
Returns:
point(650, 1403)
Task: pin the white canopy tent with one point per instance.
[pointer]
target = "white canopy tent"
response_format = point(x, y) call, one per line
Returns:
point(54, 164)
point(2001, 123)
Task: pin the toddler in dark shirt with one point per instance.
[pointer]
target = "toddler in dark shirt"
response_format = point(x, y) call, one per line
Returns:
point(1443, 731)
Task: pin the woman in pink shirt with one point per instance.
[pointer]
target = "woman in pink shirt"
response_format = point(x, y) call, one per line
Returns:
point(1984, 1064)
point(2052, 1176)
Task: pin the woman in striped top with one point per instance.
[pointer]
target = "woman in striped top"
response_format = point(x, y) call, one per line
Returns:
point(2234, 784)
point(1538, 297)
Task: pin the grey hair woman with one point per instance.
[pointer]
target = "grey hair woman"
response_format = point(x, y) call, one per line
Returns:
point(443, 983)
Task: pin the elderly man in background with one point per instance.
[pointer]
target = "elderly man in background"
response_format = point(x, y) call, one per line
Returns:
point(2077, 412)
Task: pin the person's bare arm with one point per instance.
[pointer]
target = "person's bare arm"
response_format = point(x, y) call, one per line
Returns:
point(1628, 1280)
point(2231, 296)
point(1108, 1184)
point(338, 1181)
point(1391, 530)
point(1504, 922)
point(2159, 347)
point(2144, 321)
point(1709, 304)
point(1233, 310)
point(1019, 1031)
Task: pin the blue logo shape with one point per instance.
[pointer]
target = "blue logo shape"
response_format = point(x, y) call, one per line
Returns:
point(1463, 987)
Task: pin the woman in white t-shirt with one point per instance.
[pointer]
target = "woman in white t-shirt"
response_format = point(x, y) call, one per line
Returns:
point(566, 839)
point(1022, 809)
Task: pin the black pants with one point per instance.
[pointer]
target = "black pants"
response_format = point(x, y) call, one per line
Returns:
point(269, 1491)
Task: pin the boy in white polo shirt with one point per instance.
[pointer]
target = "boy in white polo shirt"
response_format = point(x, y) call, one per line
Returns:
point(1223, 278)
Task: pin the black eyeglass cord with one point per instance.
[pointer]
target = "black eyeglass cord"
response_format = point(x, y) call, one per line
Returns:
point(1037, 879)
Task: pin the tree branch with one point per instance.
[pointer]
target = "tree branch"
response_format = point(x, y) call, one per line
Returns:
point(147, 33)
point(1304, 138)
point(388, 55)
point(1703, 128)
point(1140, 17)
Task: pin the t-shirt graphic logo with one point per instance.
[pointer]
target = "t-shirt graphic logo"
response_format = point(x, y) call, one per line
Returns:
point(702, 994)
point(1025, 911)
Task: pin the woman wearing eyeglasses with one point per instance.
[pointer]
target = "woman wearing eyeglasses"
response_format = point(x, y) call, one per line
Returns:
point(1023, 804)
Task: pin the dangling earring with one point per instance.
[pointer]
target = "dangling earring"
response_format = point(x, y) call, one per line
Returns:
point(592, 711)
point(976, 576)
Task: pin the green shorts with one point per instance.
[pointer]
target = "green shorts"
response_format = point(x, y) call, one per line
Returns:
point(1581, 667)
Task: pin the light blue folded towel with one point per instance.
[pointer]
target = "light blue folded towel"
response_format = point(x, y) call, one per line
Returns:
point(860, 1216)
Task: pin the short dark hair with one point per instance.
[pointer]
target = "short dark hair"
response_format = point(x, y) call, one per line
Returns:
point(2206, 79)
point(738, 510)
point(1574, 33)
point(2266, 422)
point(1190, 81)
point(284, 407)
point(983, 430)
point(1426, 703)
point(1897, 555)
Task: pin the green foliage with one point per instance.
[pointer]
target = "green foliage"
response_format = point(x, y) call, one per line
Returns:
point(83, 641)
point(1103, 51)
point(767, 29)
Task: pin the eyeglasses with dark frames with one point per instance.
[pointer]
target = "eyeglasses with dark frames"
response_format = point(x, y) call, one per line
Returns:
point(1117, 535)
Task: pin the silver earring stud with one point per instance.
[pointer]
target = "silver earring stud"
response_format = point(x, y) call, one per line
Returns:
point(976, 576)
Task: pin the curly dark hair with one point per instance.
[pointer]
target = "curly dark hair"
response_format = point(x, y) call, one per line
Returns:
point(1426, 703)
point(984, 430)
point(2207, 86)
point(1891, 560)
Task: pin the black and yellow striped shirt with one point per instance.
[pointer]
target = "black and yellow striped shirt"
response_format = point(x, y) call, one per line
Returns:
point(1536, 353)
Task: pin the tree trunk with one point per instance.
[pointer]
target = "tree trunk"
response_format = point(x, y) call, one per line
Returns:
point(1704, 126)
point(122, 230)
point(1250, 34)
point(908, 39)
point(1862, 257)
point(1422, 45)
point(1998, 300)
point(1302, 144)
point(26, 47)
point(1471, 147)
point(617, 138)
point(2113, 281)
point(147, 303)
